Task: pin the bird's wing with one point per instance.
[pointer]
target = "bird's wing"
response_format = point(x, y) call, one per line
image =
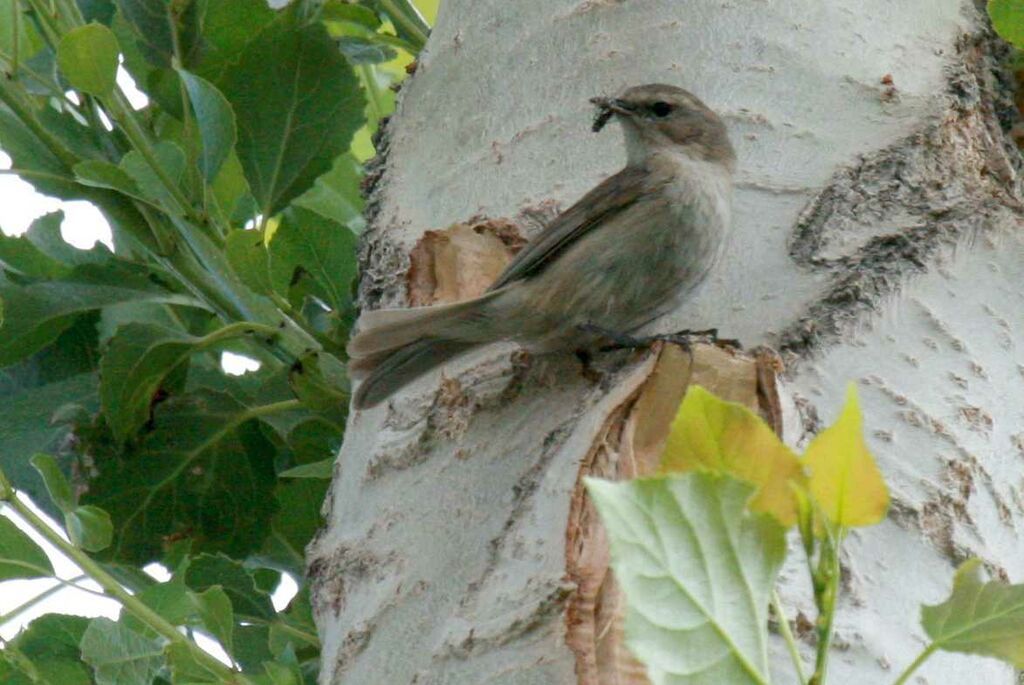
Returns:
point(603, 202)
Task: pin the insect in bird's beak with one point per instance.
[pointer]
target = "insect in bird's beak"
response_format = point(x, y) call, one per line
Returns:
point(606, 107)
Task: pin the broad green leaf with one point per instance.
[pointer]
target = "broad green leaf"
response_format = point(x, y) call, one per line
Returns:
point(213, 607)
point(119, 655)
point(87, 56)
point(101, 11)
point(252, 646)
point(321, 385)
point(170, 158)
point(727, 438)
point(320, 248)
point(697, 570)
point(228, 27)
point(250, 260)
point(202, 473)
point(323, 469)
point(159, 24)
point(27, 428)
point(99, 174)
point(45, 235)
point(19, 255)
point(138, 359)
point(844, 480)
point(295, 523)
point(28, 153)
point(336, 194)
point(56, 483)
point(287, 137)
point(1008, 19)
point(34, 315)
point(185, 670)
point(248, 603)
point(19, 556)
point(171, 600)
point(295, 625)
point(215, 120)
point(979, 617)
point(89, 528)
point(50, 643)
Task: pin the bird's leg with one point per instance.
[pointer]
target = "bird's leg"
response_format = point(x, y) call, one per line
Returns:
point(614, 340)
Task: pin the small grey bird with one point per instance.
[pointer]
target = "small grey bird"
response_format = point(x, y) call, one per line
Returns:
point(630, 250)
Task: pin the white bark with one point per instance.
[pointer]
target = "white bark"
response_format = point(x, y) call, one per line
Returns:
point(876, 240)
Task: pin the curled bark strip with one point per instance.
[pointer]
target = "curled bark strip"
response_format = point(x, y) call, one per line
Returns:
point(628, 446)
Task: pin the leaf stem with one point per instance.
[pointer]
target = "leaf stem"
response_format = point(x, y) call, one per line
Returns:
point(124, 115)
point(28, 118)
point(826, 592)
point(404, 13)
point(113, 588)
point(787, 635)
point(916, 663)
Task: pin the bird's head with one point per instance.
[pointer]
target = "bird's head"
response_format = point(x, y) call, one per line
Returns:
point(658, 117)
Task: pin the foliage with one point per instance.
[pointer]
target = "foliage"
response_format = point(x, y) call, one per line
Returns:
point(233, 198)
point(712, 524)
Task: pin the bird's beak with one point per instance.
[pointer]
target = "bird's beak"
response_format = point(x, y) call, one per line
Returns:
point(606, 107)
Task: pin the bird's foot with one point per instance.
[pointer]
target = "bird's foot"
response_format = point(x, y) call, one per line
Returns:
point(614, 340)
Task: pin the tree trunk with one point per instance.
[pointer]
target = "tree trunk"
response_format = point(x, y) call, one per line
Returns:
point(876, 239)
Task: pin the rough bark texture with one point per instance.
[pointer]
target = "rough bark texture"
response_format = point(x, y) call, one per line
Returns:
point(877, 238)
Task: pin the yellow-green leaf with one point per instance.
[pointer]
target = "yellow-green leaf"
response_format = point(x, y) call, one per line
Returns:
point(87, 56)
point(845, 481)
point(979, 617)
point(711, 434)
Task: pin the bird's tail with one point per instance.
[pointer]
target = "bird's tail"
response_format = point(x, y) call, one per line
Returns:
point(394, 370)
point(395, 346)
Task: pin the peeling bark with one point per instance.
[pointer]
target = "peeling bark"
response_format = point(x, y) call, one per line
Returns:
point(877, 238)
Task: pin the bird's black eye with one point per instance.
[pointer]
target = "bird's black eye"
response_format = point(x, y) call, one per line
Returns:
point(661, 109)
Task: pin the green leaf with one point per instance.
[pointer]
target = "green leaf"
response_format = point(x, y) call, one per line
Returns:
point(34, 315)
point(228, 27)
point(185, 670)
point(138, 359)
point(56, 484)
point(320, 248)
point(697, 570)
point(214, 608)
point(27, 428)
point(361, 50)
point(322, 387)
point(979, 617)
point(287, 137)
point(216, 122)
point(171, 600)
point(28, 41)
point(28, 153)
point(50, 643)
point(318, 469)
point(21, 256)
point(19, 556)
point(119, 655)
point(45, 235)
point(1008, 19)
point(250, 260)
point(845, 481)
point(156, 23)
point(339, 10)
point(99, 174)
point(248, 603)
point(170, 158)
point(336, 194)
point(87, 56)
point(725, 437)
point(89, 528)
point(202, 473)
